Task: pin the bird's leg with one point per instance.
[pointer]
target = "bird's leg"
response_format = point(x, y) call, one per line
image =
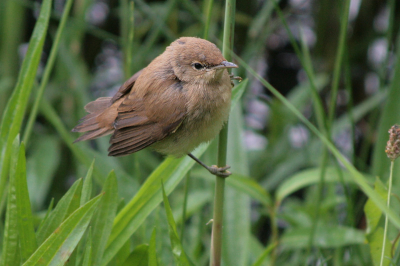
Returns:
point(215, 170)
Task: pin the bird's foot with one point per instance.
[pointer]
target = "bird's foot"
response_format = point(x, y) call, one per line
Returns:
point(233, 77)
point(215, 170)
point(219, 171)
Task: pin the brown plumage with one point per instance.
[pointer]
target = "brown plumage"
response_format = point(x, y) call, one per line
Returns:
point(181, 99)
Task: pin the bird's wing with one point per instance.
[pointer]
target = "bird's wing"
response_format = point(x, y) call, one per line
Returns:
point(142, 121)
point(126, 87)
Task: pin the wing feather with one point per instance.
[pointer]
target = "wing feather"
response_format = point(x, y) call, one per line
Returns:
point(142, 121)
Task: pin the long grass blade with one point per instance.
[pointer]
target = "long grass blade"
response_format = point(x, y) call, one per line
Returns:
point(14, 113)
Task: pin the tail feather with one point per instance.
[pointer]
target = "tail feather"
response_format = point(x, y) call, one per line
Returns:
point(98, 105)
point(99, 121)
point(87, 123)
point(94, 134)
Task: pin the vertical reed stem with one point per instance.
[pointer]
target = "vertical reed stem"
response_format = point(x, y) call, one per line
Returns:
point(387, 218)
point(216, 237)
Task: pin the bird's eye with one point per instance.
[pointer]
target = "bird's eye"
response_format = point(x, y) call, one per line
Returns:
point(198, 66)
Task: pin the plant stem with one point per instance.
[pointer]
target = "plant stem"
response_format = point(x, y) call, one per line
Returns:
point(186, 190)
point(208, 19)
point(338, 62)
point(216, 236)
point(386, 217)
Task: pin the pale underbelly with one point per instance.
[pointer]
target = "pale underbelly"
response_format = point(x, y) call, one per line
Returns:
point(192, 133)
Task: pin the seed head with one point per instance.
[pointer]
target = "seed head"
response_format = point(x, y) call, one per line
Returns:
point(393, 144)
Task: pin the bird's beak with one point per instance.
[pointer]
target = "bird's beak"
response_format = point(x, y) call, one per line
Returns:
point(225, 64)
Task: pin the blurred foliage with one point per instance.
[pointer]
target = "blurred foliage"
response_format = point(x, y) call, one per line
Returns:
point(290, 201)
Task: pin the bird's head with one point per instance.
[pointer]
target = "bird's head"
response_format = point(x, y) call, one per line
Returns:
point(197, 60)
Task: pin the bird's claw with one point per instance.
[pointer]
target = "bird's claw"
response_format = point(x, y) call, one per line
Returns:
point(233, 77)
point(220, 171)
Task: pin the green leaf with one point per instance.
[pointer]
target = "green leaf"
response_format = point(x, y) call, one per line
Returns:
point(236, 220)
point(47, 71)
point(87, 185)
point(122, 254)
point(152, 250)
point(15, 109)
point(88, 255)
point(42, 164)
point(375, 241)
point(10, 255)
point(171, 171)
point(310, 177)
point(237, 92)
point(177, 249)
point(326, 236)
point(264, 255)
point(46, 217)
point(26, 231)
point(138, 257)
point(61, 211)
point(247, 185)
point(372, 212)
point(59, 245)
point(196, 201)
point(243, 184)
point(104, 217)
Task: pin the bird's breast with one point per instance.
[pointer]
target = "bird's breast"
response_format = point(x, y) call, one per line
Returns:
point(208, 109)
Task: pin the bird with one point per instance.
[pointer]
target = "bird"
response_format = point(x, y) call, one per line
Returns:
point(180, 100)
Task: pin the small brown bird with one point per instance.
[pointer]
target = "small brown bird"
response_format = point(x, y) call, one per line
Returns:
point(180, 100)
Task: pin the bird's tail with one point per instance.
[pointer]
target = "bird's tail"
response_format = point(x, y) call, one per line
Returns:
point(99, 121)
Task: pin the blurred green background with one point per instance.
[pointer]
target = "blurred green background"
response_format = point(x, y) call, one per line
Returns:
point(335, 61)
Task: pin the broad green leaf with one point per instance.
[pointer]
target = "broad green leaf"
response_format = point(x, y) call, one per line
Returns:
point(237, 92)
point(10, 254)
point(60, 212)
point(247, 185)
point(87, 185)
point(375, 241)
point(104, 217)
point(48, 212)
point(195, 202)
point(309, 177)
point(26, 231)
point(88, 254)
point(42, 164)
point(243, 184)
point(59, 245)
point(14, 112)
point(236, 220)
point(177, 249)
point(326, 236)
point(138, 257)
point(122, 254)
point(372, 212)
point(152, 250)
